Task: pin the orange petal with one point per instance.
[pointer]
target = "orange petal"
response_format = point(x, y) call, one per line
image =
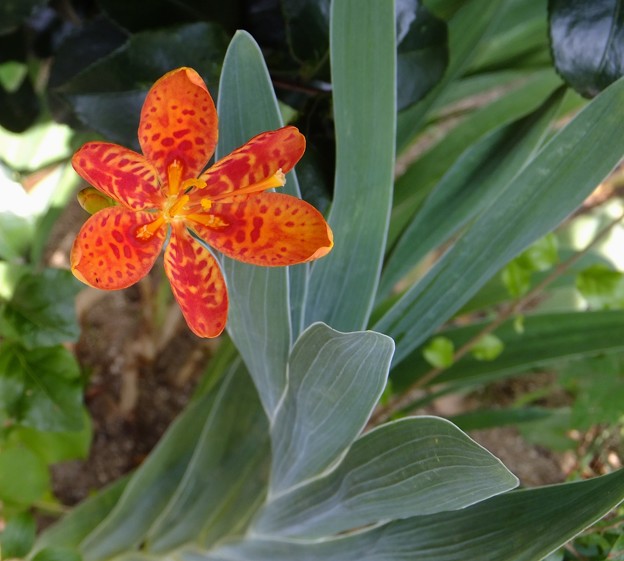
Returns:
point(123, 175)
point(270, 229)
point(107, 254)
point(256, 160)
point(197, 283)
point(179, 122)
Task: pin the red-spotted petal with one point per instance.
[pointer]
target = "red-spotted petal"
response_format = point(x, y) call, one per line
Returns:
point(270, 229)
point(179, 122)
point(107, 253)
point(122, 174)
point(197, 282)
point(256, 160)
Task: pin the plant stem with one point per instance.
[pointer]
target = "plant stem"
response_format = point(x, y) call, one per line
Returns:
point(399, 402)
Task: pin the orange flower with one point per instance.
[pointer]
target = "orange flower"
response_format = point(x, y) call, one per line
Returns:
point(166, 191)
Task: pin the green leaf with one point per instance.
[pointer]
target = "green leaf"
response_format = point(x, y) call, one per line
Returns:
point(19, 109)
point(475, 140)
point(467, 31)
point(260, 306)
point(15, 235)
point(546, 339)
point(602, 287)
point(57, 554)
point(18, 536)
point(541, 255)
point(41, 388)
point(108, 95)
point(414, 466)
point(202, 482)
point(56, 447)
point(587, 39)
point(307, 29)
point(41, 311)
point(518, 526)
point(490, 418)
point(24, 477)
point(422, 51)
point(439, 352)
point(516, 278)
point(81, 520)
point(343, 284)
point(488, 348)
point(335, 380)
point(559, 178)
point(14, 12)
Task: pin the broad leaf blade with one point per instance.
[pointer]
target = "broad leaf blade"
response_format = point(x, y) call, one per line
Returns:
point(335, 379)
point(342, 284)
point(587, 40)
point(410, 467)
point(564, 172)
point(260, 311)
point(518, 526)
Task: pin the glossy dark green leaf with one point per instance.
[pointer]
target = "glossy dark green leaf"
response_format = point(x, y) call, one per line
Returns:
point(414, 466)
point(560, 177)
point(41, 388)
point(307, 29)
point(522, 525)
point(468, 30)
point(19, 109)
point(135, 16)
point(343, 284)
point(14, 12)
point(108, 95)
point(41, 310)
point(587, 40)
point(422, 51)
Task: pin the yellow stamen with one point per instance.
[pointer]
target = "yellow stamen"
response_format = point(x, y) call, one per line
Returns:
point(174, 173)
point(146, 231)
point(176, 207)
point(209, 220)
point(188, 183)
point(278, 179)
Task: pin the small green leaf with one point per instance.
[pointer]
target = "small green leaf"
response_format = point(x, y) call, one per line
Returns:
point(439, 352)
point(41, 311)
point(587, 39)
point(41, 388)
point(488, 347)
point(24, 476)
point(18, 536)
point(541, 255)
point(602, 287)
point(516, 278)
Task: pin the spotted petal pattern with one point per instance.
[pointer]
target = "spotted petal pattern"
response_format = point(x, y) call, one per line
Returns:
point(179, 122)
point(197, 283)
point(256, 160)
point(123, 175)
point(270, 229)
point(107, 253)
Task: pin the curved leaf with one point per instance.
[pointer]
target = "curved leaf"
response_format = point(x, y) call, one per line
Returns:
point(587, 40)
point(334, 381)
point(410, 467)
